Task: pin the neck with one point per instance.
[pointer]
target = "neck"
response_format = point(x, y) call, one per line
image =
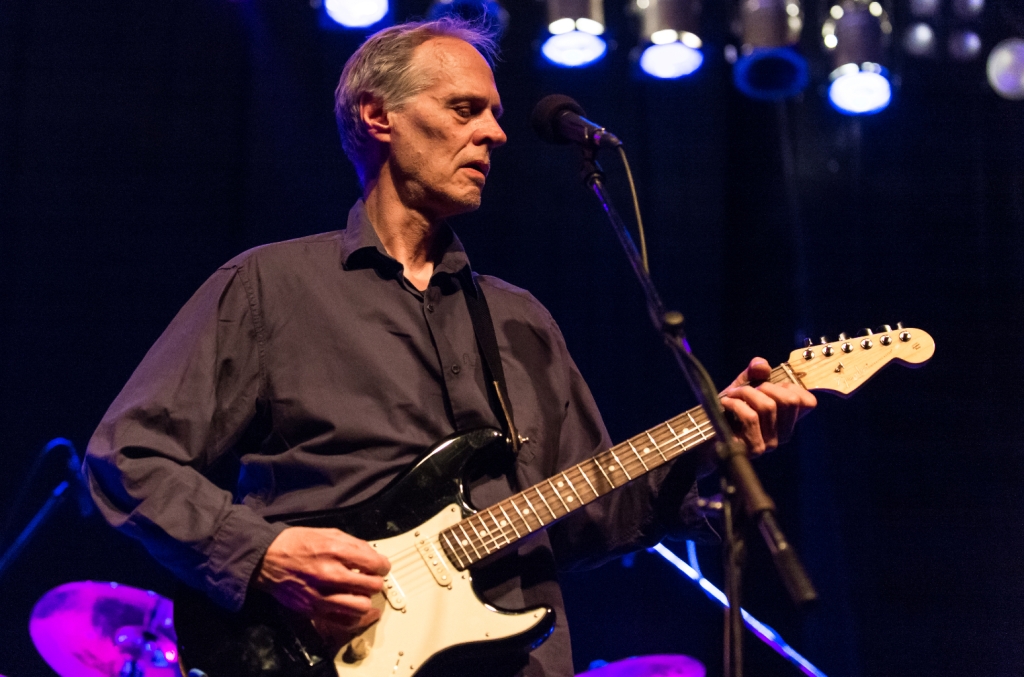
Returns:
point(409, 236)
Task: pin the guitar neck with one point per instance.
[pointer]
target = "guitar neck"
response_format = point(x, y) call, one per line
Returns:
point(533, 509)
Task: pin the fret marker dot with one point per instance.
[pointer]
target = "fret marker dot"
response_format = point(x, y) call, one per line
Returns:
point(526, 511)
point(647, 450)
point(558, 484)
point(501, 523)
point(465, 543)
point(483, 531)
point(611, 468)
point(568, 499)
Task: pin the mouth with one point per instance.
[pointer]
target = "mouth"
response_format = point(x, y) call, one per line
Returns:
point(480, 166)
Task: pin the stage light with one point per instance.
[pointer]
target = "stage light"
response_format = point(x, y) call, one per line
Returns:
point(575, 28)
point(768, 66)
point(856, 40)
point(1005, 69)
point(919, 40)
point(669, 29)
point(968, 9)
point(488, 12)
point(356, 13)
point(964, 45)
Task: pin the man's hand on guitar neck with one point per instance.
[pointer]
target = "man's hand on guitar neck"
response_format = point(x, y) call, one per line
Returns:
point(324, 574)
point(764, 413)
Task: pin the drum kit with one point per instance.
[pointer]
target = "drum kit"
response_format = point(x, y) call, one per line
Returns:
point(93, 629)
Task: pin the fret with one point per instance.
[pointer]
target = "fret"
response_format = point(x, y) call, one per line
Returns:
point(525, 521)
point(458, 560)
point(600, 463)
point(530, 508)
point(616, 457)
point(587, 480)
point(545, 502)
point(466, 539)
point(500, 528)
point(690, 416)
point(573, 487)
point(638, 456)
point(483, 543)
point(657, 447)
point(510, 522)
point(679, 441)
point(559, 495)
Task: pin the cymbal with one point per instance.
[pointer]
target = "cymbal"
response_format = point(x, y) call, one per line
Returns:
point(94, 629)
point(660, 665)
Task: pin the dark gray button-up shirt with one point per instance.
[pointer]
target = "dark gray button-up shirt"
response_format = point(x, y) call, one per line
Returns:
point(327, 373)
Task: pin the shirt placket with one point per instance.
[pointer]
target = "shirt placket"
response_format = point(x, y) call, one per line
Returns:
point(452, 331)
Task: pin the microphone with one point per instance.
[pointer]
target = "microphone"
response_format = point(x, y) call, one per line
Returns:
point(558, 119)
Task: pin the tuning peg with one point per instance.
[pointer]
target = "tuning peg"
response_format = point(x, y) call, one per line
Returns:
point(843, 336)
point(899, 325)
point(884, 328)
point(824, 340)
point(865, 332)
point(808, 342)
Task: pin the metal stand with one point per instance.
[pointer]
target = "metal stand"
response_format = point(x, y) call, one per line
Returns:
point(57, 498)
point(740, 482)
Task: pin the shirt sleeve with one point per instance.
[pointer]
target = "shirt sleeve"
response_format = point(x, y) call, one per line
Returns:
point(189, 400)
point(659, 504)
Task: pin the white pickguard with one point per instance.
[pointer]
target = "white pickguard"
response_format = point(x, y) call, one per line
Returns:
point(435, 616)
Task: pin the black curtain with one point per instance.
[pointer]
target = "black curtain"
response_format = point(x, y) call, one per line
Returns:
point(143, 144)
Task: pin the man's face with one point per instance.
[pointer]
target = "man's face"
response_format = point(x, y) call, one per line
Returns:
point(441, 139)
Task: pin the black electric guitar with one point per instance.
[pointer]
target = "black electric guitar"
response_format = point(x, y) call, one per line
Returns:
point(423, 523)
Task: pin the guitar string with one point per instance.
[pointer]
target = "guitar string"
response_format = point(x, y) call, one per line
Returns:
point(490, 542)
point(486, 538)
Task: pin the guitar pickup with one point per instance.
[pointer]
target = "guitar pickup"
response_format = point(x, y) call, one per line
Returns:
point(435, 561)
point(393, 593)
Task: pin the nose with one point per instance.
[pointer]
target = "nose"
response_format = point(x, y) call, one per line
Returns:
point(490, 132)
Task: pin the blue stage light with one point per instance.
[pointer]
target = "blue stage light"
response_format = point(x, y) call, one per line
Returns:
point(860, 90)
point(672, 60)
point(356, 13)
point(574, 48)
point(771, 73)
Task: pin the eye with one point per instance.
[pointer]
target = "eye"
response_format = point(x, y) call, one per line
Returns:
point(464, 110)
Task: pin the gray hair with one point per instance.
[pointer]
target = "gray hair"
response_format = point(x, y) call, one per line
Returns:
point(382, 67)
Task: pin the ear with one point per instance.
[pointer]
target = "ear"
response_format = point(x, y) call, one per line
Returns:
point(375, 117)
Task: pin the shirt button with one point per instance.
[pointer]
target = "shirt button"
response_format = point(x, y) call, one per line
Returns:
point(430, 307)
point(456, 369)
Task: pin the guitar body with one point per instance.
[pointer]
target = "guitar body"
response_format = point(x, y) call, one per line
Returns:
point(432, 621)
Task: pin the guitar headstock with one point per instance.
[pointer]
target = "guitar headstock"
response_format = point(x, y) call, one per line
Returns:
point(843, 365)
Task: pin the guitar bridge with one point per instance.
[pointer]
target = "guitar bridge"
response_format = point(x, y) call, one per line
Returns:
point(435, 560)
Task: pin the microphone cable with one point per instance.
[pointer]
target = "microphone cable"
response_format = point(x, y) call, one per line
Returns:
point(636, 210)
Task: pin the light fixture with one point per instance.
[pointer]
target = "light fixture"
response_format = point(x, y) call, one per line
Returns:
point(924, 8)
point(668, 29)
point(1005, 69)
point(964, 45)
point(855, 34)
point(768, 66)
point(575, 28)
point(919, 40)
point(356, 13)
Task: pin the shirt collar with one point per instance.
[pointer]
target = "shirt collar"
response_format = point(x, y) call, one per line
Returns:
point(361, 248)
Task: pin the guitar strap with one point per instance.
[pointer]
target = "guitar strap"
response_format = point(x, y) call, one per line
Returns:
point(483, 327)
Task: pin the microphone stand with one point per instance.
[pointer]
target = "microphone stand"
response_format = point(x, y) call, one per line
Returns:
point(741, 487)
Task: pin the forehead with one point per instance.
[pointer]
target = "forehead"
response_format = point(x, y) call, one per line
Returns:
point(450, 61)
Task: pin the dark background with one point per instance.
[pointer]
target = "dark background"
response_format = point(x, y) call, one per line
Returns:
point(142, 144)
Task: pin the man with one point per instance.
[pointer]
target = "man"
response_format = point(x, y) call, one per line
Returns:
point(328, 364)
